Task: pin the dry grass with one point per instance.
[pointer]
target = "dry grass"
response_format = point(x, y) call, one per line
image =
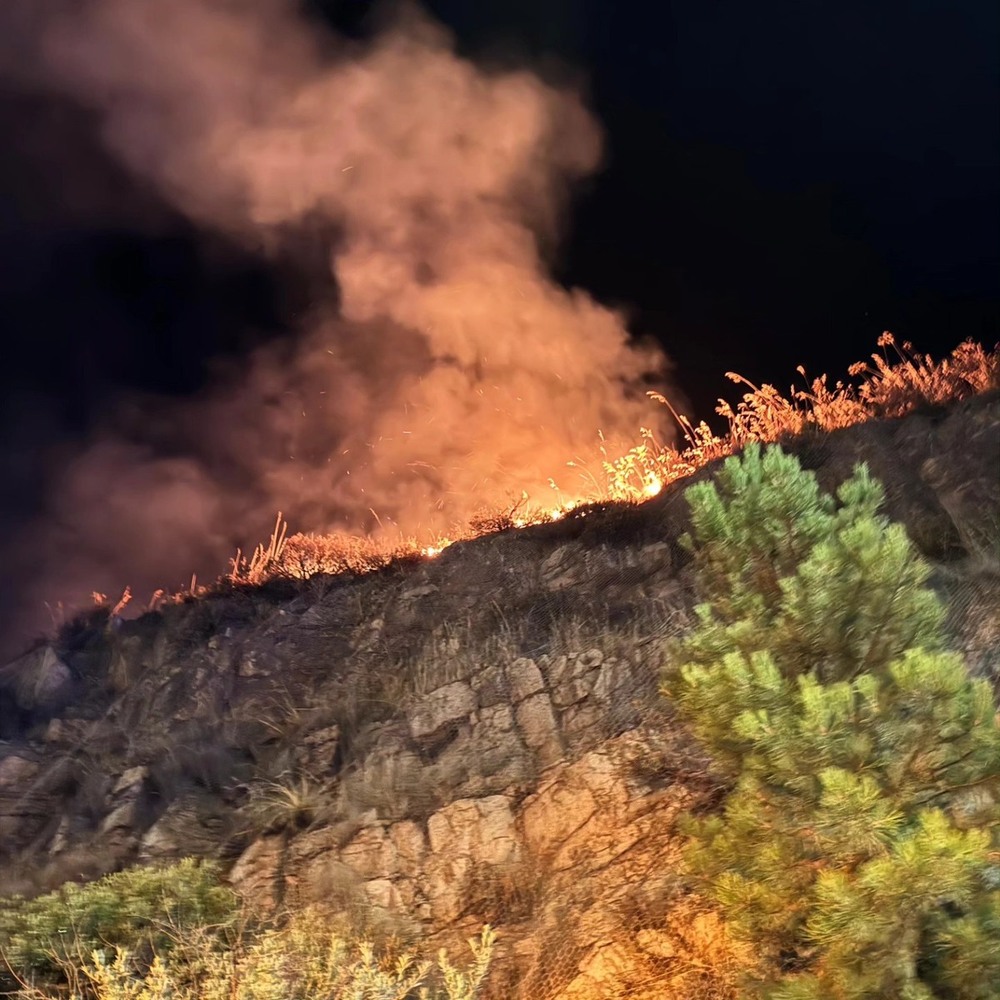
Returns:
point(886, 388)
point(292, 802)
point(302, 556)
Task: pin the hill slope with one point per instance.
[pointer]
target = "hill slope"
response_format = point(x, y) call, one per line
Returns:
point(473, 738)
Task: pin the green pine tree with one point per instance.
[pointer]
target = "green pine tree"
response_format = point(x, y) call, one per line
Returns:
point(860, 843)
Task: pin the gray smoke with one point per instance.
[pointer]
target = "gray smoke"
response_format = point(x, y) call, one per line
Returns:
point(448, 373)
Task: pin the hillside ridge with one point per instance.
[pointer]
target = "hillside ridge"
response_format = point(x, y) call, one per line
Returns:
point(422, 736)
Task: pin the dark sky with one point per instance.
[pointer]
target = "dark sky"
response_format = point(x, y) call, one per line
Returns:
point(784, 180)
point(781, 183)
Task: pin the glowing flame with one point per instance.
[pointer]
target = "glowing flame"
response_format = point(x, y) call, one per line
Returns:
point(432, 551)
point(536, 516)
point(653, 486)
point(640, 474)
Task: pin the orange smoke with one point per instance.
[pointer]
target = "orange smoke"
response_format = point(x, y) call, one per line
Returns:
point(453, 371)
point(443, 372)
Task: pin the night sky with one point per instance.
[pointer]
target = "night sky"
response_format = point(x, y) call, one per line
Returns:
point(785, 180)
point(780, 183)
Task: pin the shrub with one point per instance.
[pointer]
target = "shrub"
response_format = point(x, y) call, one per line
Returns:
point(302, 960)
point(858, 845)
point(154, 934)
point(140, 910)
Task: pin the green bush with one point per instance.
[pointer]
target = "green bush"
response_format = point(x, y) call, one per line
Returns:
point(140, 910)
point(177, 934)
point(859, 844)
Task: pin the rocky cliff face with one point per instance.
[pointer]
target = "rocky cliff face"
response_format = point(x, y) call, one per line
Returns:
point(473, 738)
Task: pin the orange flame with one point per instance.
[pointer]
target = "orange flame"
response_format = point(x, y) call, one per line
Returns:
point(646, 469)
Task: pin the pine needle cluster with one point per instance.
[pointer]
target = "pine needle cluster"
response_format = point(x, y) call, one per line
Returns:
point(859, 846)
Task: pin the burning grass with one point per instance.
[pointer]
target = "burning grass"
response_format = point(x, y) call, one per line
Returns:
point(886, 387)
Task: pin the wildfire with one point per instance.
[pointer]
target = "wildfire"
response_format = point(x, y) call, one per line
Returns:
point(549, 515)
point(521, 521)
point(431, 551)
point(645, 470)
point(653, 486)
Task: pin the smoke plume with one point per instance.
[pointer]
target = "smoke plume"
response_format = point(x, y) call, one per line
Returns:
point(444, 372)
